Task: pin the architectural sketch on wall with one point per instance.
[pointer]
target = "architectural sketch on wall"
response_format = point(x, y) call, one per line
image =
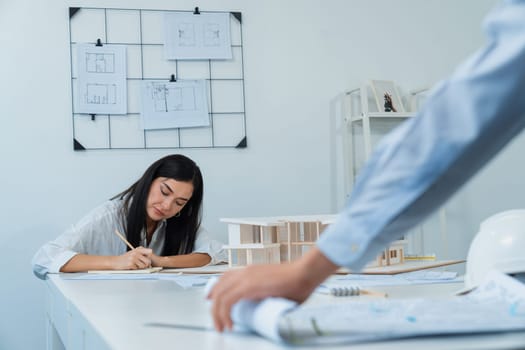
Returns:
point(212, 34)
point(168, 97)
point(178, 104)
point(105, 94)
point(142, 33)
point(100, 62)
point(197, 36)
point(279, 239)
point(186, 34)
point(101, 74)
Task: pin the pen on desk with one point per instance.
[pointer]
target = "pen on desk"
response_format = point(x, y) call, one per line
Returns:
point(124, 239)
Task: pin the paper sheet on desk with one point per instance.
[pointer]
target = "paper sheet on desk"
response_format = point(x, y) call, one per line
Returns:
point(415, 277)
point(496, 306)
point(187, 281)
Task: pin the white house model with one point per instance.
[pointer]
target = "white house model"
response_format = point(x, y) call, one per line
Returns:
point(277, 239)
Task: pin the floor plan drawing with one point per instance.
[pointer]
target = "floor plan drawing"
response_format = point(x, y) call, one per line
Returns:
point(100, 63)
point(189, 36)
point(101, 79)
point(212, 34)
point(177, 104)
point(101, 94)
point(186, 34)
point(173, 98)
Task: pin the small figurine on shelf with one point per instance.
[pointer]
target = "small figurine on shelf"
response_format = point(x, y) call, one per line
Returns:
point(389, 106)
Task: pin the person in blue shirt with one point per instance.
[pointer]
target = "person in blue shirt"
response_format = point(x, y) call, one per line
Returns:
point(465, 122)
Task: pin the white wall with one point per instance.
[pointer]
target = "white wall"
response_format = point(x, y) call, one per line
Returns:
point(299, 55)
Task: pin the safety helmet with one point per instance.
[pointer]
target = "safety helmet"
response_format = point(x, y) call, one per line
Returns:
point(499, 245)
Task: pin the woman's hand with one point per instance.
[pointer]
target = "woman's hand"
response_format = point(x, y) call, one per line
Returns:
point(180, 261)
point(138, 258)
point(157, 260)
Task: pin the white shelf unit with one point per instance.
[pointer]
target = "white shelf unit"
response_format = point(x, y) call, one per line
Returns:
point(358, 111)
point(363, 126)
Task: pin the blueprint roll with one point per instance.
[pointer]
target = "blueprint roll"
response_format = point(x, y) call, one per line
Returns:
point(261, 317)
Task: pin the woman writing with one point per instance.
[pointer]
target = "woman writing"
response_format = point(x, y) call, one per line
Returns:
point(160, 215)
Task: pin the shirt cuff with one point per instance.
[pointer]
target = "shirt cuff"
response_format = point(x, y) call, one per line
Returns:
point(61, 260)
point(344, 245)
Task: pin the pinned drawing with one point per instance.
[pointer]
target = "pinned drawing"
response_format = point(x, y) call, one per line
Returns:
point(178, 104)
point(190, 36)
point(101, 72)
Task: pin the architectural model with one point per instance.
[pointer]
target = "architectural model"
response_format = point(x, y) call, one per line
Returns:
point(278, 239)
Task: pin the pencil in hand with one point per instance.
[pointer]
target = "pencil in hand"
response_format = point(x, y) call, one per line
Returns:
point(124, 240)
point(121, 236)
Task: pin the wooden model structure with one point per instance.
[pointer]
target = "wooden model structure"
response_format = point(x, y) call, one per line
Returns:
point(277, 239)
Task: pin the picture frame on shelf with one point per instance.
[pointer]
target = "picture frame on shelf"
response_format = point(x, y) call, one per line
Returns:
point(387, 97)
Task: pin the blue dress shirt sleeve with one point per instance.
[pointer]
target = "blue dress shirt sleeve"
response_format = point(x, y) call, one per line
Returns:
point(466, 120)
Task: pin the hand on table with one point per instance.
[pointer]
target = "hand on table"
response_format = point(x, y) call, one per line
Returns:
point(294, 281)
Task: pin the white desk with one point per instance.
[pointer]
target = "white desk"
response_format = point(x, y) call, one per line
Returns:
point(112, 315)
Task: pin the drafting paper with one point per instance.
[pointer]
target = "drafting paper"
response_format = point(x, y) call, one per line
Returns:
point(187, 281)
point(409, 278)
point(101, 79)
point(131, 272)
point(498, 305)
point(203, 36)
point(180, 104)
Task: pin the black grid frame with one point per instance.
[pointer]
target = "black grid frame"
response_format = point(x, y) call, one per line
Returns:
point(140, 31)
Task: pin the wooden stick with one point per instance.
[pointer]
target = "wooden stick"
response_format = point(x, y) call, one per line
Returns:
point(373, 293)
point(124, 239)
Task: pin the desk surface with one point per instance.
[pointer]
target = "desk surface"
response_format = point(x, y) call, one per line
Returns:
point(116, 313)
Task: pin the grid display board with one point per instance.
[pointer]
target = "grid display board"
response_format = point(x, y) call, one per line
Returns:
point(140, 30)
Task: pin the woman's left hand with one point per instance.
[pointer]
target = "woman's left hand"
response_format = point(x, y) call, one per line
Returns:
point(156, 260)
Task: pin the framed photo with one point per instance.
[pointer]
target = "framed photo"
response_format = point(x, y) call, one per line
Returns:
point(386, 96)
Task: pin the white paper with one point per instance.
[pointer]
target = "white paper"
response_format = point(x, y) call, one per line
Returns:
point(497, 305)
point(101, 79)
point(168, 105)
point(202, 36)
point(408, 278)
point(102, 276)
point(186, 281)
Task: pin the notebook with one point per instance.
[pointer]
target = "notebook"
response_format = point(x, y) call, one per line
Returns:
point(148, 270)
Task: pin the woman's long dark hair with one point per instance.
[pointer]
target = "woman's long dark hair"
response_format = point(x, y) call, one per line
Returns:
point(181, 230)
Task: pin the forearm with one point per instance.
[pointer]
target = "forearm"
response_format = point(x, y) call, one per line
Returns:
point(185, 260)
point(83, 262)
point(313, 268)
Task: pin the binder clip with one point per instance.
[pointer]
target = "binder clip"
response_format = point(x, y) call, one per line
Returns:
point(99, 43)
point(172, 78)
point(196, 11)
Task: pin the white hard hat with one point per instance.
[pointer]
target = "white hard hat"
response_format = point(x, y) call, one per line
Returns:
point(499, 245)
